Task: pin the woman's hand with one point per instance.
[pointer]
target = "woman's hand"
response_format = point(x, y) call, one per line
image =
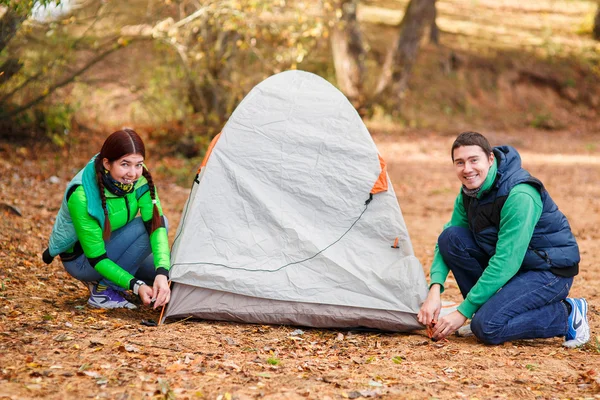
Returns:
point(161, 291)
point(145, 293)
point(430, 310)
point(447, 325)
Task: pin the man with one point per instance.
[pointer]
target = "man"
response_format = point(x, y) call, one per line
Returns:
point(511, 251)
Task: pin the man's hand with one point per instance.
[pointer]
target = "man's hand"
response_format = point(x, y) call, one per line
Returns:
point(161, 291)
point(430, 310)
point(448, 325)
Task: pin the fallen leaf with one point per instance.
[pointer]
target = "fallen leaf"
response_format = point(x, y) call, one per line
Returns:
point(368, 393)
point(62, 337)
point(593, 377)
point(10, 208)
point(129, 348)
point(232, 366)
point(230, 341)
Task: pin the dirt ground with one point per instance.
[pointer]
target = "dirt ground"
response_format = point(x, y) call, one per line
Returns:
point(53, 346)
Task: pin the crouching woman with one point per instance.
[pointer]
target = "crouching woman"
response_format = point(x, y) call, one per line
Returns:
point(99, 236)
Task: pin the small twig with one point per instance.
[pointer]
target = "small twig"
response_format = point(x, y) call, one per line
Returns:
point(181, 320)
point(165, 348)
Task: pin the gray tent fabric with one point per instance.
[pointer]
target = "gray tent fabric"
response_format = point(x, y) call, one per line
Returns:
point(281, 226)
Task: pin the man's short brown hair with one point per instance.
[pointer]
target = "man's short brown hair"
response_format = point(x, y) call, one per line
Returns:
point(471, 139)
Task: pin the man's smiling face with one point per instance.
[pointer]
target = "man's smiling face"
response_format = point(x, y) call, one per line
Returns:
point(472, 165)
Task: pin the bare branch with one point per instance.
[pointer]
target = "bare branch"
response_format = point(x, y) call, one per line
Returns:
point(66, 81)
point(190, 17)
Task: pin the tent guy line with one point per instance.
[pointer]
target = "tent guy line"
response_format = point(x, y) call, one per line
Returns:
point(293, 262)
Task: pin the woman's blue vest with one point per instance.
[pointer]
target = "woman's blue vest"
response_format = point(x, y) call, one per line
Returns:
point(552, 246)
point(63, 235)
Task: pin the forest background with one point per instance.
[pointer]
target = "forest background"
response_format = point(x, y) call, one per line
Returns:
point(418, 72)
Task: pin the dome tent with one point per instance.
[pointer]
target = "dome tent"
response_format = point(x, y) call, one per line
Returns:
point(293, 220)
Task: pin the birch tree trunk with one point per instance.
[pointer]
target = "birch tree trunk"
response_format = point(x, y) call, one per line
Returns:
point(348, 53)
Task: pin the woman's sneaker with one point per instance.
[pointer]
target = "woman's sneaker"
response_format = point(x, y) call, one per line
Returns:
point(106, 297)
point(578, 332)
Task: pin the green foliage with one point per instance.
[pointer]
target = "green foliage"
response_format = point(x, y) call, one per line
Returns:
point(570, 82)
point(543, 120)
point(43, 51)
point(165, 390)
point(229, 47)
point(57, 122)
point(197, 61)
point(182, 173)
point(594, 345)
point(397, 359)
point(84, 367)
point(273, 361)
point(586, 27)
point(591, 147)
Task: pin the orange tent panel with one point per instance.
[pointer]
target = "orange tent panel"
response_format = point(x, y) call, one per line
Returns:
point(381, 185)
point(209, 151)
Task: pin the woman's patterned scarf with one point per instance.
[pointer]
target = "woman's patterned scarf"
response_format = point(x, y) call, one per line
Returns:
point(116, 187)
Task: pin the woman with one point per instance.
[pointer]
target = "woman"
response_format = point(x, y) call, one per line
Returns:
point(98, 236)
point(511, 251)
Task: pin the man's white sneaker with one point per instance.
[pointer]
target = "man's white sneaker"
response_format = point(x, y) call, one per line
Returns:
point(578, 332)
point(465, 331)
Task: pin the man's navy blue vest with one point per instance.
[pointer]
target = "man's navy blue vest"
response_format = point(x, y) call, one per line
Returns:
point(552, 247)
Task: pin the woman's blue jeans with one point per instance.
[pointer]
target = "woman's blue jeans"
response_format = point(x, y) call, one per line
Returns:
point(528, 306)
point(129, 247)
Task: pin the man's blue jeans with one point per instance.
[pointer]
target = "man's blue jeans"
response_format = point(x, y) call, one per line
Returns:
point(528, 306)
point(129, 247)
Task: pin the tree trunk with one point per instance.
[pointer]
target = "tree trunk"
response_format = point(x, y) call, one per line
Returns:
point(195, 97)
point(596, 30)
point(9, 68)
point(401, 57)
point(434, 33)
point(9, 24)
point(348, 53)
